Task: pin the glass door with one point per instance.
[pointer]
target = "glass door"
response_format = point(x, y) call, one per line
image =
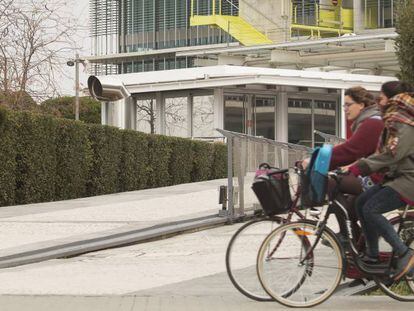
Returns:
point(235, 113)
point(307, 115)
point(264, 116)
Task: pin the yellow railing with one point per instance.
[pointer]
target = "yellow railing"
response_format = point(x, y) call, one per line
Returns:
point(233, 24)
point(328, 20)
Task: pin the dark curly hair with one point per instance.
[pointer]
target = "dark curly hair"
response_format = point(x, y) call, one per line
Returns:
point(360, 96)
point(392, 88)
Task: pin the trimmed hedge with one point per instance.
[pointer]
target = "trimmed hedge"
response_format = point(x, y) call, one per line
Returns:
point(219, 169)
point(202, 161)
point(36, 158)
point(106, 144)
point(73, 159)
point(45, 159)
point(134, 162)
point(8, 154)
point(159, 151)
point(181, 160)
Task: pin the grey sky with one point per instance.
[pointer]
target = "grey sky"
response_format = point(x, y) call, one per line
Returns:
point(81, 12)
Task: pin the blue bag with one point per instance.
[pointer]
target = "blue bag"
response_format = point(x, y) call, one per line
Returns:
point(314, 180)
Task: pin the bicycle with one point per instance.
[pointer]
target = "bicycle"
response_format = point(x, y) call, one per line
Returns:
point(285, 256)
point(241, 253)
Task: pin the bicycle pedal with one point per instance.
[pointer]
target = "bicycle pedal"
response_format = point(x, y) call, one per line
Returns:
point(314, 212)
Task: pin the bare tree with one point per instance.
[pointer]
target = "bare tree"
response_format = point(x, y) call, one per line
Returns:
point(36, 38)
point(146, 114)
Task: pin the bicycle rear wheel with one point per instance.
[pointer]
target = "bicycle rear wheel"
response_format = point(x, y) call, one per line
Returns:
point(283, 261)
point(241, 256)
point(403, 289)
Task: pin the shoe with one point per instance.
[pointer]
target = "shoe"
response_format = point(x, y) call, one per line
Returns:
point(404, 265)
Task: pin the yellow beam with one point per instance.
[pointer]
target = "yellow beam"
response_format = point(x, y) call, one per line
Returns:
point(320, 29)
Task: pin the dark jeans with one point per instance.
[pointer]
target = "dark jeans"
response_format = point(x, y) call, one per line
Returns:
point(351, 186)
point(370, 206)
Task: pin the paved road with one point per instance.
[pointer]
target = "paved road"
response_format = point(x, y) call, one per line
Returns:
point(185, 272)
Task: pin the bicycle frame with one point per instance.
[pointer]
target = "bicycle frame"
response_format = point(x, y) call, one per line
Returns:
point(342, 215)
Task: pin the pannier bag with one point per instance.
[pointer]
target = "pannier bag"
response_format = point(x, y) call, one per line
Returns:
point(271, 187)
point(314, 180)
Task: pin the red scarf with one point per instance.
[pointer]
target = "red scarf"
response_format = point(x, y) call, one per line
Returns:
point(399, 109)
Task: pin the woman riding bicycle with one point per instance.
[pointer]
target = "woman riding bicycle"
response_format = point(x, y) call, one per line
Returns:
point(395, 156)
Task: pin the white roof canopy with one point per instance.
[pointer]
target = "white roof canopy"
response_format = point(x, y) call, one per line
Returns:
point(224, 75)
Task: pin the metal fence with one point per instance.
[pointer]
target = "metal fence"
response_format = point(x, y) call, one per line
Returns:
point(245, 154)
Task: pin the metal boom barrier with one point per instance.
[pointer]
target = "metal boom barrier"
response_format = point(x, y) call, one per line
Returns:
point(245, 154)
point(329, 138)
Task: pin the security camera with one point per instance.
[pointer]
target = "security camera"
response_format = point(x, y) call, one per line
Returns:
point(70, 63)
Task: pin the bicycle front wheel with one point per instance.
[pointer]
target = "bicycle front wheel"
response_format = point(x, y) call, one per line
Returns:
point(285, 257)
point(241, 256)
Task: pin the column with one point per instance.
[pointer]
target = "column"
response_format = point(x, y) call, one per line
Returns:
point(218, 108)
point(190, 115)
point(359, 16)
point(282, 116)
point(342, 115)
point(104, 113)
point(160, 108)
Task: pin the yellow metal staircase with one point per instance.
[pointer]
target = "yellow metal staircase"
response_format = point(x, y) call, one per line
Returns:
point(236, 26)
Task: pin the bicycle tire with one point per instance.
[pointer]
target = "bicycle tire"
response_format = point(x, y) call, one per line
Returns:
point(242, 288)
point(294, 299)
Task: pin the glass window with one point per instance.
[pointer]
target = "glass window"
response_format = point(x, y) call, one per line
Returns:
point(306, 115)
point(300, 121)
point(203, 116)
point(325, 118)
point(264, 117)
point(235, 113)
point(176, 116)
point(146, 115)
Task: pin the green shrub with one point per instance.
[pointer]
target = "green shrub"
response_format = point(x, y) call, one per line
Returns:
point(202, 161)
point(159, 160)
point(8, 155)
point(73, 159)
point(106, 157)
point(134, 162)
point(36, 160)
point(181, 160)
point(45, 159)
point(219, 169)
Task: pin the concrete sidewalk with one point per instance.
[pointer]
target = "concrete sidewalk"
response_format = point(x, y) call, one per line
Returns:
point(185, 303)
point(27, 228)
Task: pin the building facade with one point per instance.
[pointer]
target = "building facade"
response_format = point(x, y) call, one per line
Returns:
point(136, 36)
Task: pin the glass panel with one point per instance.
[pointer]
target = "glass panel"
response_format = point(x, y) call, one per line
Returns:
point(300, 121)
point(325, 113)
point(146, 115)
point(235, 113)
point(264, 117)
point(176, 116)
point(203, 116)
point(380, 13)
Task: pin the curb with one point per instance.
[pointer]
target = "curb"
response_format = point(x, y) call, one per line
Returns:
point(110, 241)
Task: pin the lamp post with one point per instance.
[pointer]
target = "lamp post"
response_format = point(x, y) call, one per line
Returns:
point(75, 62)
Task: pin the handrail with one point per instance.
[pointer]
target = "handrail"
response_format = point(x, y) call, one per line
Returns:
point(266, 140)
point(329, 137)
point(244, 153)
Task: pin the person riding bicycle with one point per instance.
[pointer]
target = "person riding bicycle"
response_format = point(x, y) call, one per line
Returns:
point(361, 109)
point(395, 156)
